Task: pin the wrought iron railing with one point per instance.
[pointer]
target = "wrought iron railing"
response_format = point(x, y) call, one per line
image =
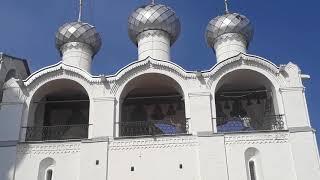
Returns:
point(58, 132)
point(148, 128)
point(267, 123)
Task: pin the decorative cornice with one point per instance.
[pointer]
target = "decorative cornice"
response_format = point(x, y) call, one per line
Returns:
point(140, 66)
point(150, 143)
point(234, 62)
point(292, 89)
point(48, 149)
point(301, 129)
point(198, 94)
point(229, 37)
point(56, 70)
point(257, 138)
point(103, 99)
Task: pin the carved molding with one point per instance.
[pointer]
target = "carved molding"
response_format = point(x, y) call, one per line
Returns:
point(229, 37)
point(55, 71)
point(138, 67)
point(159, 143)
point(48, 149)
point(258, 138)
point(237, 61)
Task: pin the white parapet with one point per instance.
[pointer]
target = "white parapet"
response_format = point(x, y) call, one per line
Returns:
point(78, 55)
point(154, 44)
point(229, 45)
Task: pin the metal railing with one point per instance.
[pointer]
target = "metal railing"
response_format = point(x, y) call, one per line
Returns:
point(267, 123)
point(152, 128)
point(58, 132)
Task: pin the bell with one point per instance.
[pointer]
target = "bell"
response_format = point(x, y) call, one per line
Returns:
point(258, 101)
point(157, 113)
point(226, 105)
point(249, 103)
point(180, 105)
point(171, 111)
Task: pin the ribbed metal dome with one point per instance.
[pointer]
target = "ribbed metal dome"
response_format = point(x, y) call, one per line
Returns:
point(154, 17)
point(78, 32)
point(229, 23)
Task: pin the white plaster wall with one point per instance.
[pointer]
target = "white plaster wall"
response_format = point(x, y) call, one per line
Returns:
point(212, 158)
point(154, 159)
point(229, 46)
point(306, 155)
point(66, 156)
point(200, 108)
point(154, 44)
point(7, 162)
point(78, 55)
point(90, 153)
point(207, 157)
point(103, 119)
point(295, 107)
point(276, 161)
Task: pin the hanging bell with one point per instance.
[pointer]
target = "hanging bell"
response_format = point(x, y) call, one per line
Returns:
point(157, 113)
point(171, 111)
point(226, 105)
point(249, 103)
point(258, 101)
point(180, 105)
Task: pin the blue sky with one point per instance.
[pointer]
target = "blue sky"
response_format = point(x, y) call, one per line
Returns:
point(284, 31)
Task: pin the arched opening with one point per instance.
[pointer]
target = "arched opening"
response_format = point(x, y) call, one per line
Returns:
point(253, 164)
point(49, 174)
point(246, 101)
point(152, 104)
point(252, 170)
point(46, 169)
point(59, 110)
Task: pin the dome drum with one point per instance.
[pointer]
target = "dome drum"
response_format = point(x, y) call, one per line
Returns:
point(229, 37)
point(84, 48)
point(154, 44)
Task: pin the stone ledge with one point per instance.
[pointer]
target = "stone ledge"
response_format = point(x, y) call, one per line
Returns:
point(301, 129)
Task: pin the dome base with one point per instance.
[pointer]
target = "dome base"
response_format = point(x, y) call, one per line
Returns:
point(154, 44)
point(78, 55)
point(229, 45)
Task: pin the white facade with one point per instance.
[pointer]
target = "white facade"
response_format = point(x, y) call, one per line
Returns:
point(244, 119)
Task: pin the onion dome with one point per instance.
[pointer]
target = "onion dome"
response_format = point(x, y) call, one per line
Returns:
point(154, 17)
point(78, 32)
point(229, 23)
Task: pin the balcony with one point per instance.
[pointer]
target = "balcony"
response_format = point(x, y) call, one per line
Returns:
point(246, 124)
point(59, 132)
point(153, 128)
